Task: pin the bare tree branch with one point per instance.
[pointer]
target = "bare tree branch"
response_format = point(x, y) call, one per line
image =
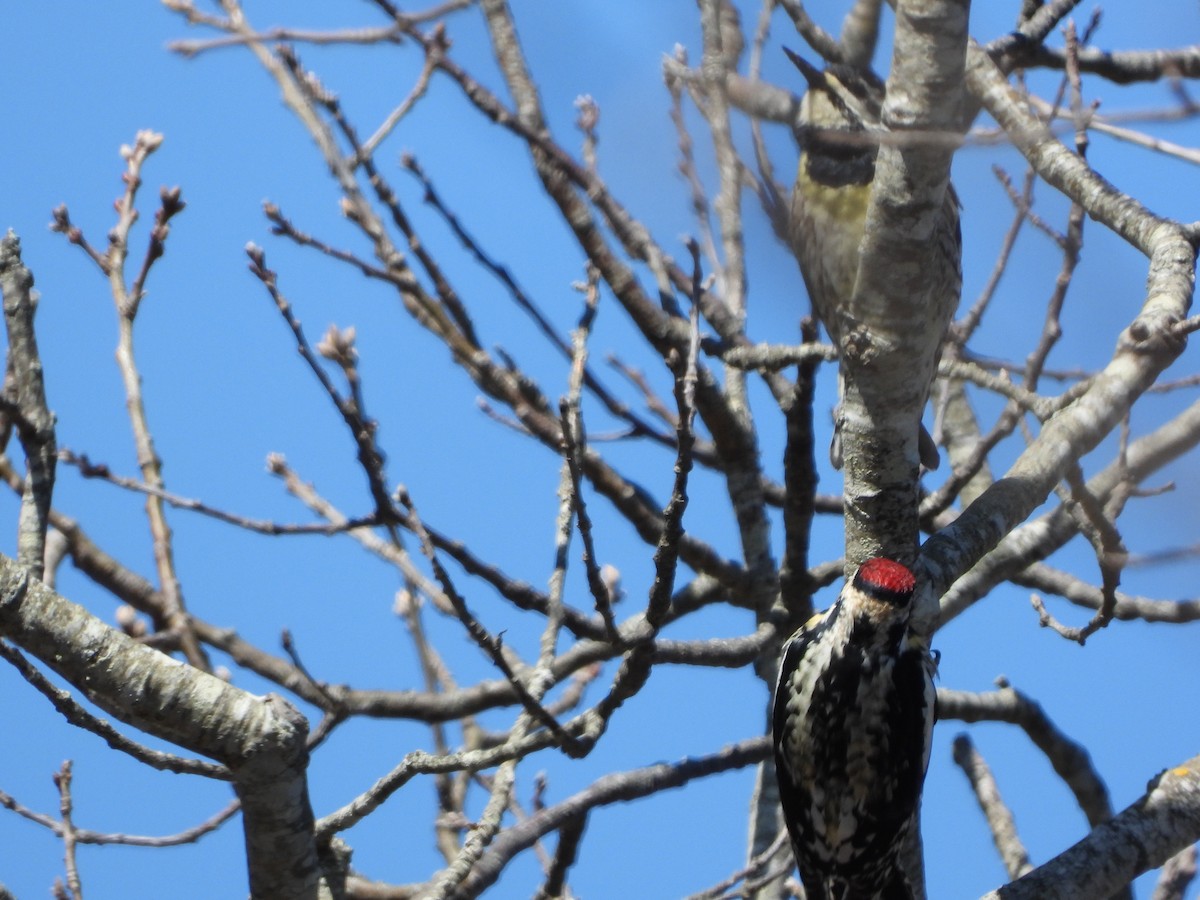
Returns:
point(35, 422)
point(999, 817)
point(1069, 759)
point(1142, 837)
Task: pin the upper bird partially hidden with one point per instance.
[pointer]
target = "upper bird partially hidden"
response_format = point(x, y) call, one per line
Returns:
point(852, 719)
point(838, 130)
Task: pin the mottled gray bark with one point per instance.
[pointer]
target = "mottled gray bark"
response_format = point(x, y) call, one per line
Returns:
point(260, 739)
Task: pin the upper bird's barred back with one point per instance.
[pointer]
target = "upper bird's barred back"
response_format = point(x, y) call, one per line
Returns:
point(852, 720)
point(838, 130)
point(833, 183)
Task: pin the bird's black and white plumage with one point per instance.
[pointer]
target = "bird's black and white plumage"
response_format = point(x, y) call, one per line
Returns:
point(852, 720)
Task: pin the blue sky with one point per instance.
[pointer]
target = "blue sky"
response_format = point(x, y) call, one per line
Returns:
point(224, 388)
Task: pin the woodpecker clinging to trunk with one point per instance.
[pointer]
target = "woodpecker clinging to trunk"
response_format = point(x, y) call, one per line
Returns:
point(852, 720)
point(838, 129)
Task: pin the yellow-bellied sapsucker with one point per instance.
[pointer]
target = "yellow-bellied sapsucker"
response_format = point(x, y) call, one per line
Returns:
point(838, 129)
point(852, 720)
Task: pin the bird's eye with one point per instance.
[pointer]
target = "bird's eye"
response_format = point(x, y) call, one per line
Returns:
point(855, 87)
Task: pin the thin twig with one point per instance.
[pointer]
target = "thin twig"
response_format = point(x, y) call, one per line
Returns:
point(393, 119)
point(999, 816)
point(492, 646)
point(574, 446)
point(635, 667)
point(62, 781)
point(338, 346)
point(963, 329)
point(35, 422)
point(638, 427)
point(1070, 759)
point(127, 298)
point(570, 834)
point(817, 38)
point(1111, 554)
point(616, 787)
point(753, 872)
point(76, 715)
point(89, 469)
point(87, 836)
point(687, 160)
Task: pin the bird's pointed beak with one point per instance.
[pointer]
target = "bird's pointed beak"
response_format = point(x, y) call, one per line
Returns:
point(814, 76)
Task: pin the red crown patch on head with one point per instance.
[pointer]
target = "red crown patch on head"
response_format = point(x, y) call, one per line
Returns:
point(885, 576)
